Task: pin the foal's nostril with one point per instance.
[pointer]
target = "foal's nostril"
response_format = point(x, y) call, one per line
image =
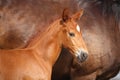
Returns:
point(82, 56)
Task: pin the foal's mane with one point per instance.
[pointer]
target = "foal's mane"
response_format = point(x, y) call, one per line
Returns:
point(45, 33)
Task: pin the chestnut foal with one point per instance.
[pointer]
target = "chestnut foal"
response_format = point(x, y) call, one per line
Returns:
point(36, 60)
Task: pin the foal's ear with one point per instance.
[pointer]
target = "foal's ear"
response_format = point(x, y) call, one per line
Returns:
point(65, 15)
point(77, 15)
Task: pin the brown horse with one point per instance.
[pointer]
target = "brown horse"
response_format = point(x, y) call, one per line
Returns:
point(101, 31)
point(36, 60)
point(20, 20)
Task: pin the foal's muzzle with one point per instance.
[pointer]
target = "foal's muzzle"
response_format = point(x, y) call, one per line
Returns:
point(81, 55)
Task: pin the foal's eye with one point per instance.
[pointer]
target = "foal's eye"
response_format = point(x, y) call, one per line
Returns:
point(72, 34)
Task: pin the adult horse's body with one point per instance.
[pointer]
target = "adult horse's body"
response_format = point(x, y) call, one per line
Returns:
point(100, 28)
point(36, 60)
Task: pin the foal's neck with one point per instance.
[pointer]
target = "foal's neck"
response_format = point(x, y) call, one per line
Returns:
point(49, 43)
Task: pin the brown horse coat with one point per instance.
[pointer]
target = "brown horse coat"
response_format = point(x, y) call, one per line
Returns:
point(100, 30)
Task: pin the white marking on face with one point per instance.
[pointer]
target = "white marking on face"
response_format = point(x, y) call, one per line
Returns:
point(78, 28)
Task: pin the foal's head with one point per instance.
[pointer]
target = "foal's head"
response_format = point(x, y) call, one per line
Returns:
point(72, 37)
